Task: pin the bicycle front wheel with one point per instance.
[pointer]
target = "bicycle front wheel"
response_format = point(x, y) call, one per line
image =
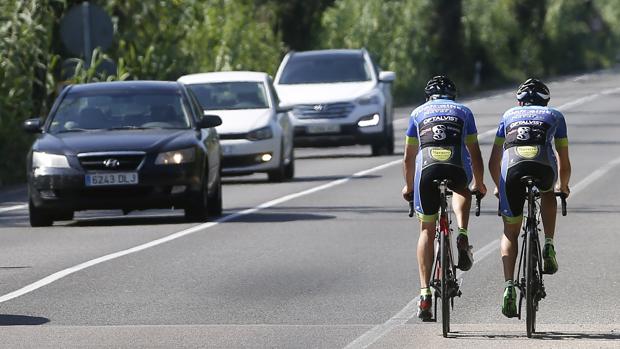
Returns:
point(445, 289)
point(531, 281)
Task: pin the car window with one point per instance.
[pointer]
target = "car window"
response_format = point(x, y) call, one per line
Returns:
point(119, 109)
point(231, 95)
point(325, 69)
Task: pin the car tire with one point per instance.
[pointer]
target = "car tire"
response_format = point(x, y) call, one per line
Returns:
point(196, 209)
point(386, 146)
point(279, 174)
point(214, 201)
point(289, 170)
point(39, 217)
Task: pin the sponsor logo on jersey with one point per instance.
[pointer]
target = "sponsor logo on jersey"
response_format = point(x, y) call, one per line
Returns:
point(527, 152)
point(526, 123)
point(441, 154)
point(445, 118)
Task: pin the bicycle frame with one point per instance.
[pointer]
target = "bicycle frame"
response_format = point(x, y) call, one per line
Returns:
point(443, 278)
point(443, 272)
point(531, 284)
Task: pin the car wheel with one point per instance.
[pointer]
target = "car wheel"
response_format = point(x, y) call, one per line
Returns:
point(39, 217)
point(279, 174)
point(214, 201)
point(196, 209)
point(289, 170)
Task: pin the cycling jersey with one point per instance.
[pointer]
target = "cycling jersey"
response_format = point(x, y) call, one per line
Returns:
point(441, 129)
point(526, 134)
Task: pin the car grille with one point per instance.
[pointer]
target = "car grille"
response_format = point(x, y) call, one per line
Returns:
point(323, 111)
point(233, 135)
point(129, 161)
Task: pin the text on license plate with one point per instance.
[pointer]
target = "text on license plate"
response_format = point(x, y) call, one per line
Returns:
point(327, 128)
point(127, 178)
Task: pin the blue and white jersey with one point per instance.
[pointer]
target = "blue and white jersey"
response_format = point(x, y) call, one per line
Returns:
point(527, 133)
point(442, 128)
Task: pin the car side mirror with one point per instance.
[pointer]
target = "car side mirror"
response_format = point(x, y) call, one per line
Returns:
point(387, 76)
point(208, 121)
point(284, 108)
point(33, 125)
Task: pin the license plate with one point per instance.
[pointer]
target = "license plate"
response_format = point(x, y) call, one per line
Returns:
point(99, 179)
point(327, 128)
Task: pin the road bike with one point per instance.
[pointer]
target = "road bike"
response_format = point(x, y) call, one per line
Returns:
point(529, 274)
point(443, 278)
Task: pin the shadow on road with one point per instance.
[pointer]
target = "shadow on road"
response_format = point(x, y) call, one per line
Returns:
point(551, 335)
point(22, 320)
point(129, 220)
point(280, 217)
point(555, 335)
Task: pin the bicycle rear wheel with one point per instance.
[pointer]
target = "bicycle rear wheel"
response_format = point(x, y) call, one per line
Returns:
point(445, 288)
point(531, 280)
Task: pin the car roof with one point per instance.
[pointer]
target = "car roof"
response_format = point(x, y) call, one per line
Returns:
point(224, 77)
point(329, 53)
point(142, 85)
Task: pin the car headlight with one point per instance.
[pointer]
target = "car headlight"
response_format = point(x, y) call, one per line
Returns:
point(261, 133)
point(40, 159)
point(369, 120)
point(371, 98)
point(176, 157)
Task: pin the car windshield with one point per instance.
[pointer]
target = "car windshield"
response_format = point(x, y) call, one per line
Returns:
point(85, 111)
point(325, 69)
point(231, 95)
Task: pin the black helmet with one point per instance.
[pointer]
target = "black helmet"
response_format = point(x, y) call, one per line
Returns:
point(533, 91)
point(440, 86)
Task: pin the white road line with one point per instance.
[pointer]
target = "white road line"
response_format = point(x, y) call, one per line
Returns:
point(409, 311)
point(63, 273)
point(13, 208)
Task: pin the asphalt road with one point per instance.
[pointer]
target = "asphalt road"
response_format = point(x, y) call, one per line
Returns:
point(329, 264)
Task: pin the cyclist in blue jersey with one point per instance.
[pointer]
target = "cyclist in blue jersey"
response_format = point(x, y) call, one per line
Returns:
point(523, 147)
point(441, 143)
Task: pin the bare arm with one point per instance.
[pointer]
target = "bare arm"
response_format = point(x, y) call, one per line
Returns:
point(411, 151)
point(564, 169)
point(477, 167)
point(495, 163)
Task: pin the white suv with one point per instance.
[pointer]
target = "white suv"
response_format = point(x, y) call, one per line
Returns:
point(339, 97)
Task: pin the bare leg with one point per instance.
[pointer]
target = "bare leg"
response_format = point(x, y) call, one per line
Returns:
point(548, 208)
point(426, 251)
point(510, 247)
point(461, 203)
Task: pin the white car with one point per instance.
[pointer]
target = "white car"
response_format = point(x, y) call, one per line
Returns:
point(339, 97)
point(256, 134)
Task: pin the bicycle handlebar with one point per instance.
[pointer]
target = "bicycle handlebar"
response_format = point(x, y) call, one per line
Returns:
point(478, 196)
point(559, 194)
point(563, 197)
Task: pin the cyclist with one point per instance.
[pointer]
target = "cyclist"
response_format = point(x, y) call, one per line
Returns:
point(523, 147)
point(441, 143)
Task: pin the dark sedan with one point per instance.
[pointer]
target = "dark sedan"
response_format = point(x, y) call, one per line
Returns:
point(124, 145)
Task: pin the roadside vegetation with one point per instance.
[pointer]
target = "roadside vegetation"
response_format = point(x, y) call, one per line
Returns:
point(480, 43)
